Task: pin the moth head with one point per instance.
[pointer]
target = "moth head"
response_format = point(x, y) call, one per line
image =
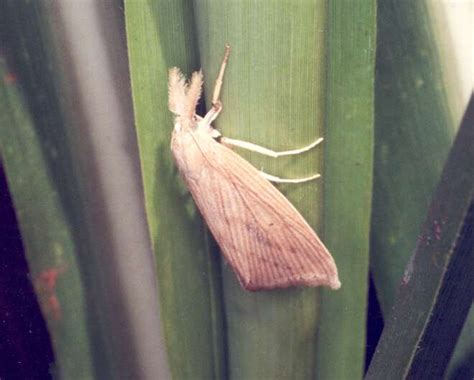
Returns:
point(183, 95)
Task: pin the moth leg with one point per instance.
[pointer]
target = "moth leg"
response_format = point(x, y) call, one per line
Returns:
point(268, 152)
point(275, 179)
point(216, 103)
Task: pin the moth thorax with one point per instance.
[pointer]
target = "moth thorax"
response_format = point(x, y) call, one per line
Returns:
point(182, 124)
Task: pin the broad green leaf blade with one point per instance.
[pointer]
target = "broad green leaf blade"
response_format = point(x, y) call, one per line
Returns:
point(275, 95)
point(160, 36)
point(417, 110)
point(272, 96)
point(348, 184)
point(436, 292)
point(414, 130)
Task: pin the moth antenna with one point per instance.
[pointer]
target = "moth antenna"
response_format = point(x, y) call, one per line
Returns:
point(176, 91)
point(193, 94)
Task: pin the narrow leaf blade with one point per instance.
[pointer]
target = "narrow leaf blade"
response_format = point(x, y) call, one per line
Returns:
point(348, 185)
point(159, 37)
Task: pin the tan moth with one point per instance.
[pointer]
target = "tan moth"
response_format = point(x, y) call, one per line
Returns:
point(263, 237)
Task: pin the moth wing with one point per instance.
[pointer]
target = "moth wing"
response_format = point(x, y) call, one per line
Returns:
point(261, 234)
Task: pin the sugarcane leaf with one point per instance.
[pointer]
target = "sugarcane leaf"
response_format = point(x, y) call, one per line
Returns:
point(160, 36)
point(435, 294)
point(276, 94)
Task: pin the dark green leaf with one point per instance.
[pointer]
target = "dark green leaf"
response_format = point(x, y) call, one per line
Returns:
point(437, 287)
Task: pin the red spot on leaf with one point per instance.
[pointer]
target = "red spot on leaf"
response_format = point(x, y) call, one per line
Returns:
point(45, 285)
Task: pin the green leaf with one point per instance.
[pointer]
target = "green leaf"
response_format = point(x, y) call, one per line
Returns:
point(276, 94)
point(436, 292)
point(417, 111)
point(272, 96)
point(348, 185)
point(160, 36)
point(414, 130)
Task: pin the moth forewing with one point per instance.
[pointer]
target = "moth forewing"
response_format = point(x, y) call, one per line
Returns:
point(261, 234)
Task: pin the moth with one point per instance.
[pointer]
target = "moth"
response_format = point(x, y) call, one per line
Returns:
point(263, 237)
